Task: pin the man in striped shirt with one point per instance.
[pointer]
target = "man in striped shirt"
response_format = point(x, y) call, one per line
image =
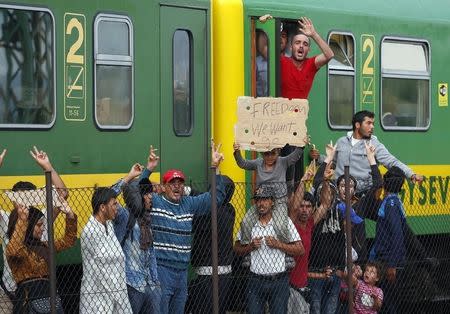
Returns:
point(171, 222)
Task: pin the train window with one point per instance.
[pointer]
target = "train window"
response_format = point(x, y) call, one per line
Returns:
point(405, 84)
point(341, 81)
point(114, 79)
point(27, 71)
point(182, 95)
point(261, 63)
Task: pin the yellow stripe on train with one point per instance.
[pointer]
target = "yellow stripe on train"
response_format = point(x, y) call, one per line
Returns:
point(432, 196)
point(80, 192)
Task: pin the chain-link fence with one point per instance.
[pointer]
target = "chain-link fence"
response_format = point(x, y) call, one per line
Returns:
point(137, 257)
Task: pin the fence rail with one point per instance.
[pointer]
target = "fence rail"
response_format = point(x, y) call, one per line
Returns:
point(420, 285)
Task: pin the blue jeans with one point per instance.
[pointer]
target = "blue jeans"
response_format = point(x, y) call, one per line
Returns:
point(147, 302)
point(273, 291)
point(324, 295)
point(173, 288)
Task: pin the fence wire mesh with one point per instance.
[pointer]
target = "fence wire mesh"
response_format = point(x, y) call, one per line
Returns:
point(116, 264)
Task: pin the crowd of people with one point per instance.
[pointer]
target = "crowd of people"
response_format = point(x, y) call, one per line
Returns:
point(292, 241)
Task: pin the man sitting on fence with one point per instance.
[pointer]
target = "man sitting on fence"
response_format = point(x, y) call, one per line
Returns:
point(270, 242)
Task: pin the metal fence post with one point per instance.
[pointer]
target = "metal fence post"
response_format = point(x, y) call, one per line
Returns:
point(51, 241)
point(348, 236)
point(214, 246)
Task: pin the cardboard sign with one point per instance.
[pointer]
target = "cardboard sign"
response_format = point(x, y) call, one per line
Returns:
point(265, 123)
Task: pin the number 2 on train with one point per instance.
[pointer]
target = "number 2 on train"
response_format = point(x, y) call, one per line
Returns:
point(72, 57)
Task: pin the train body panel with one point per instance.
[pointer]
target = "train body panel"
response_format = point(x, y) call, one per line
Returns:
point(216, 41)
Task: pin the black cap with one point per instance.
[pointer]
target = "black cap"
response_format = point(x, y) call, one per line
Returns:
point(264, 191)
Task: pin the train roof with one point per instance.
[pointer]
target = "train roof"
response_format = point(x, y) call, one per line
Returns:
point(424, 10)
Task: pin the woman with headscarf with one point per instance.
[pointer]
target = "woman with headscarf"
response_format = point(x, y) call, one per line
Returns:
point(28, 257)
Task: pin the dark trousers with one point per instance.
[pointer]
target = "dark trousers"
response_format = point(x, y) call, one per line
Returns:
point(392, 293)
point(274, 290)
point(200, 295)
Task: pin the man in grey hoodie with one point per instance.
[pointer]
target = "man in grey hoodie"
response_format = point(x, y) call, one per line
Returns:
point(351, 151)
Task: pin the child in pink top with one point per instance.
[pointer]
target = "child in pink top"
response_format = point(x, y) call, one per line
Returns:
point(368, 297)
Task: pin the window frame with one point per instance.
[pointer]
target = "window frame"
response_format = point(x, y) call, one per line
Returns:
point(191, 81)
point(113, 60)
point(341, 71)
point(410, 75)
point(52, 122)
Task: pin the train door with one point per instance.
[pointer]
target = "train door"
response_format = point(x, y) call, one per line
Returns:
point(184, 91)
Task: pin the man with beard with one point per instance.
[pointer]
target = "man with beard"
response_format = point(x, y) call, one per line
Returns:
point(298, 71)
point(270, 242)
point(351, 151)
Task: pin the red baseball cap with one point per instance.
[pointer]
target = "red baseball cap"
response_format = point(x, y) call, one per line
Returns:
point(173, 174)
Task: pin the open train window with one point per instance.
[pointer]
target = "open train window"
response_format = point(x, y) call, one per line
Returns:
point(27, 71)
point(113, 75)
point(182, 89)
point(405, 84)
point(341, 80)
point(262, 63)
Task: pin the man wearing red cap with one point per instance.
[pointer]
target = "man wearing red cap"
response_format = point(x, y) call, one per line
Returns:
point(171, 221)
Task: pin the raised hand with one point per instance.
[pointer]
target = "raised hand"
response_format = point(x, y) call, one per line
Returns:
point(65, 208)
point(41, 158)
point(135, 171)
point(2, 157)
point(306, 26)
point(153, 159)
point(216, 156)
point(236, 146)
point(370, 151)
point(330, 150)
point(265, 18)
point(314, 153)
point(308, 176)
point(417, 178)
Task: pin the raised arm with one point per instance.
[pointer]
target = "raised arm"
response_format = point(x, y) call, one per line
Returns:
point(201, 204)
point(15, 249)
point(308, 29)
point(43, 160)
point(241, 162)
point(70, 234)
point(326, 199)
point(135, 171)
point(152, 163)
point(297, 198)
point(293, 157)
point(324, 170)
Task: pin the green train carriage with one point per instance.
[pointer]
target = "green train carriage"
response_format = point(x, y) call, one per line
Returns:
point(95, 84)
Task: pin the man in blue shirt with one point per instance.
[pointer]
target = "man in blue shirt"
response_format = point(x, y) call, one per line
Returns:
point(171, 222)
point(389, 245)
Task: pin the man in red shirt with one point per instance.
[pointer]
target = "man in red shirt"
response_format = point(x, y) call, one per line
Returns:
point(298, 71)
point(305, 218)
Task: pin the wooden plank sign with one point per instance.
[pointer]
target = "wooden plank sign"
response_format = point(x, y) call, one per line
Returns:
point(265, 123)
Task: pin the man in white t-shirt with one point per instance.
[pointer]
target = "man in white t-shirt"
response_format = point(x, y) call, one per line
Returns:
point(8, 282)
point(272, 238)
